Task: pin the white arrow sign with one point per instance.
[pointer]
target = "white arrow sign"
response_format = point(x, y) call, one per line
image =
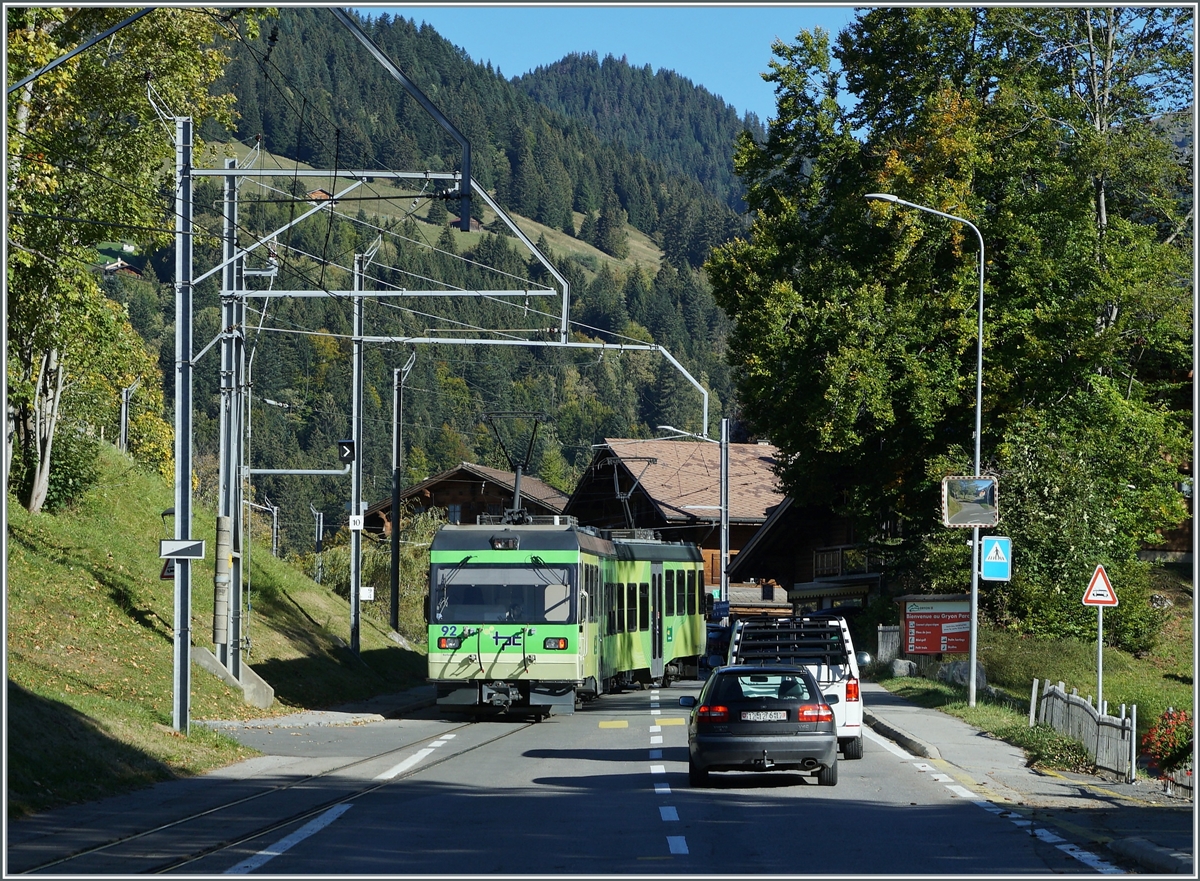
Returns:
point(181, 549)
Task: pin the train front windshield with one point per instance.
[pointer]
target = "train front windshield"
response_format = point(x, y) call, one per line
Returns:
point(486, 594)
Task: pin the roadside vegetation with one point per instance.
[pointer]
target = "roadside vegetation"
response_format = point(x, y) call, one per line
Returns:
point(90, 646)
point(1155, 681)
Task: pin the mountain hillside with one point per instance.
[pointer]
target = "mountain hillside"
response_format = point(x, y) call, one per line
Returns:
point(662, 116)
point(314, 93)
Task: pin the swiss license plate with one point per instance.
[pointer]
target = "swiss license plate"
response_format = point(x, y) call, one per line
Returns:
point(764, 715)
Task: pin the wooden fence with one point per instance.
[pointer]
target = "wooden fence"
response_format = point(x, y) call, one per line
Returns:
point(1111, 741)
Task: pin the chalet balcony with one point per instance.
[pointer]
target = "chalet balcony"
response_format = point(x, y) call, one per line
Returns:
point(842, 560)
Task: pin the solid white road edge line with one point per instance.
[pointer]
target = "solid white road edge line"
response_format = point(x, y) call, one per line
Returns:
point(885, 743)
point(263, 856)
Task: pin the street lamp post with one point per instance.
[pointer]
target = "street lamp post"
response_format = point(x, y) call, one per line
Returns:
point(724, 506)
point(888, 197)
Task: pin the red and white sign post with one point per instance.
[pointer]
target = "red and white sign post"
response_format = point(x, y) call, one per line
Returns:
point(1100, 593)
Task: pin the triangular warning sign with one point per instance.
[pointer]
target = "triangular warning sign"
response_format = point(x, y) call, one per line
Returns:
point(1100, 591)
point(168, 569)
point(996, 555)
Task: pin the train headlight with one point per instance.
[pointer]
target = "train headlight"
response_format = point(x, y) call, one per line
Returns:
point(449, 642)
point(554, 643)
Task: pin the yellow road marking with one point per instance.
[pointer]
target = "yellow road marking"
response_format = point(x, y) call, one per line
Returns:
point(619, 724)
point(670, 721)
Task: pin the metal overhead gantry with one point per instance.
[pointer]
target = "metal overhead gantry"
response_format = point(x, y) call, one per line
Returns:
point(232, 337)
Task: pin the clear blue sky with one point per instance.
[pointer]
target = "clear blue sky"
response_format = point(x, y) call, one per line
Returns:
point(723, 48)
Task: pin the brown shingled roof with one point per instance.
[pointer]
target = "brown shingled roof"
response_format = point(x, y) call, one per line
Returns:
point(687, 477)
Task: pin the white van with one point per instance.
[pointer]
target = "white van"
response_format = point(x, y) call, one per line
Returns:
point(821, 644)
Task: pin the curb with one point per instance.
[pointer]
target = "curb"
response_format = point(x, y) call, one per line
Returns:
point(914, 745)
point(1152, 856)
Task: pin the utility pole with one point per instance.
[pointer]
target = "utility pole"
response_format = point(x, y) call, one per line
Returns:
point(126, 397)
point(399, 375)
point(725, 510)
point(230, 435)
point(181, 709)
point(320, 524)
point(356, 465)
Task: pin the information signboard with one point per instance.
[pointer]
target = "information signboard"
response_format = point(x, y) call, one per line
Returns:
point(935, 627)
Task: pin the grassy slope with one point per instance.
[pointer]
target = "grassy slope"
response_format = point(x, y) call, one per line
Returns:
point(642, 250)
point(90, 647)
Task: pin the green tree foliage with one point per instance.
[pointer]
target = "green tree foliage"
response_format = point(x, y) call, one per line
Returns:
point(86, 149)
point(854, 336)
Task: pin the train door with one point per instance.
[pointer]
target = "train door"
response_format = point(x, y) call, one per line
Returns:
point(656, 620)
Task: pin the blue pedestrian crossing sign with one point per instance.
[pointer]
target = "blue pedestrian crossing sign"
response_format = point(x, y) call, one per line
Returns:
point(997, 558)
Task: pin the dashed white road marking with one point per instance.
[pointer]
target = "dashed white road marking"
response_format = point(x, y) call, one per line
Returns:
point(677, 843)
point(1021, 822)
point(1090, 859)
point(656, 712)
point(1042, 834)
point(312, 827)
point(658, 769)
point(1047, 836)
point(656, 753)
point(662, 788)
point(669, 815)
point(656, 738)
point(654, 729)
point(405, 765)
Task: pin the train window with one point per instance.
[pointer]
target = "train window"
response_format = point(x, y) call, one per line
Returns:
point(669, 595)
point(631, 617)
point(643, 606)
point(620, 608)
point(610, 614)
point(592, 613)
point(583, 606)
point(681, 593)
point(691, 592)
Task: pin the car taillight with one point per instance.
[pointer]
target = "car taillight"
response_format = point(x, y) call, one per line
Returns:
point(717, 713)
point(816, 713)
point(852, 690)
point(449, 642)
point(554, 643)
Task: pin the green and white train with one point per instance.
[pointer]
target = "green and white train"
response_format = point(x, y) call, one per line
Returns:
point(534, 619)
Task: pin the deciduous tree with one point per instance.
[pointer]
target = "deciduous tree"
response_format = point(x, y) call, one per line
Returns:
point(88, 158)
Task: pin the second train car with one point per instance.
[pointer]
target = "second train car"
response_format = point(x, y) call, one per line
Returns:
point(535, 618)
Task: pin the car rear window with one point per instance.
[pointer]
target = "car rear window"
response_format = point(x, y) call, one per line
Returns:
point(750, 686)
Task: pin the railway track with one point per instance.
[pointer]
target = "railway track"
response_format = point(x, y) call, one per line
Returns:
point(185, 840)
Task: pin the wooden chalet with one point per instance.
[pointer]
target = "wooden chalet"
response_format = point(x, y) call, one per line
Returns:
point(812, 555)
point(465, 493)
point(673, 487)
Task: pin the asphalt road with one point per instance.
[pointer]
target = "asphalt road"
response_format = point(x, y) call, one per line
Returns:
point(605, 791)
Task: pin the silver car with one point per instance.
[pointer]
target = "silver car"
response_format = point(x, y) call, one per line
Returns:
point(761, 719)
